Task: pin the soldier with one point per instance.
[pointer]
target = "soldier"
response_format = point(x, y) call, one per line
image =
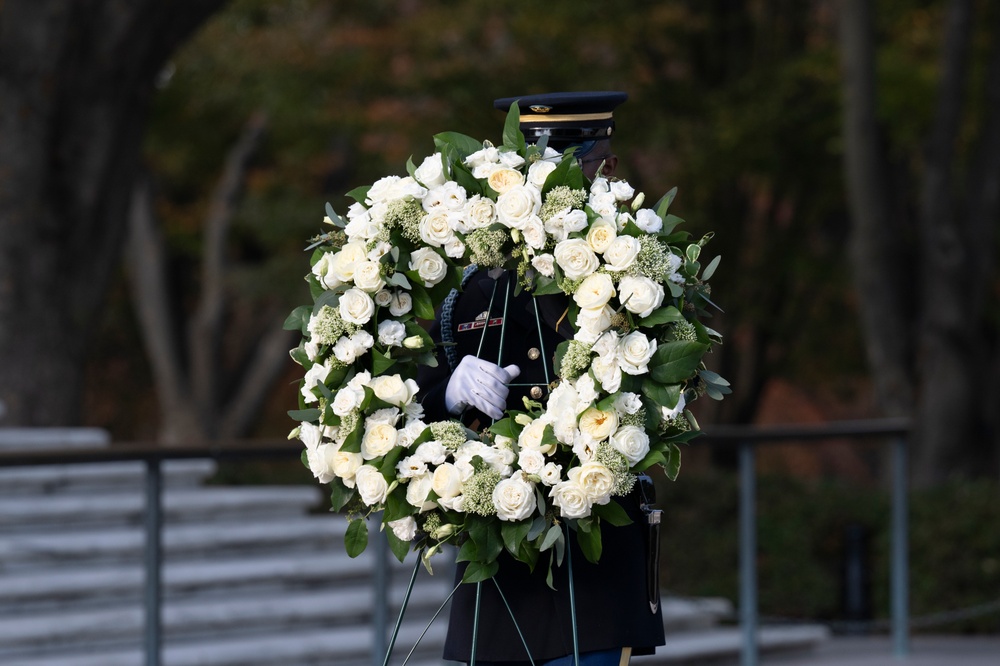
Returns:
point(502, 352)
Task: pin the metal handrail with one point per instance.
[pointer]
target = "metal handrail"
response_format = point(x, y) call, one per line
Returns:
point(747, 438)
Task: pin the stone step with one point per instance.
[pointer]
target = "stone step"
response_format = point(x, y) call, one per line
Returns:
point(34, 591)
point(83, 547)
point(180, 505)
point(723, 644)
point(77, 478)
point(343, 646)
point(194, 618)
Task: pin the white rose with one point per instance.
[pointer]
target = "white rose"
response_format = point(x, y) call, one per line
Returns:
point(600, 185)
point(487, 155)
point(391, 333)
point(604, 204)
point(539, 171)
point(531, 461)
point(356, 306)
point(544, 264)
point(392, 389)
point(379, 439)
point(318, 459)
point(343, 263)
point(551, 474)
point(434, 452)
point(383, 298)
point(454, 248)
point(632, 442)
point(596, 480)
point(480, 212)
point(372, 485)
point(503, 180)
point(575, 258)
point(607, 370)
point(314, 376)
point(517, 204)
point(640, 295)
point(571, 500)
point(514, 498)
point(347, 400)
point(627, 403)
point(431, 173)
point(623, 220)
point(534, 233)
point(401, 303)
point(435, 229)
point(635, 350)
point(363, 227)
point(648, 221)
point(575, 220)
point(590, 323)
point(511, 159)
point(531, 437)
point(344, 351)
point(600, 235)
point(368, 276)
point(598, 424)
point(622, 252)
point(447, 481)
point(595, 291)
point(417, 490)
point(345, 465)
point(622, 190)
point(405, 529)
point(429, 265)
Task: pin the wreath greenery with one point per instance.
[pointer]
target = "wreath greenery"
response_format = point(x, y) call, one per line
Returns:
point(638, 294)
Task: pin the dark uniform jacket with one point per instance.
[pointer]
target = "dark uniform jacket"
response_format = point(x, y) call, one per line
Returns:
point(612, 606)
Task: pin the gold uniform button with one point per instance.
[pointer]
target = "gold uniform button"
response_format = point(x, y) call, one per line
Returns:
point(533, 353)
point(536, 392)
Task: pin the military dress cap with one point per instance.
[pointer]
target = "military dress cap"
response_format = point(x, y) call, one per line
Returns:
point(567, 118)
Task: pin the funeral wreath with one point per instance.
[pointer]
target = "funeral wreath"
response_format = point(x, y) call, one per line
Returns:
point(637, 296)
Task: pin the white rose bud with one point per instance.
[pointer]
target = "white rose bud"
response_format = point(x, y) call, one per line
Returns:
point(514, 498)
point(638, 201)
point(413, 342)
point(383, 298)
point(551, 474)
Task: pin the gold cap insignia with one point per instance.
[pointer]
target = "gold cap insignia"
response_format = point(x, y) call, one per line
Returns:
point(538, 108)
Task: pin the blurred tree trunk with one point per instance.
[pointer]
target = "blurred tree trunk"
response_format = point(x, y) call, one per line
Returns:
point(76, 80)
point(923, 290)
point(191, 379)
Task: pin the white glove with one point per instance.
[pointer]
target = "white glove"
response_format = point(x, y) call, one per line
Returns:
point(480, 384)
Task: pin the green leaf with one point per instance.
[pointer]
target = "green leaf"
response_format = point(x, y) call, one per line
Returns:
point(298, 319)
point(590, 543)
point(381, 362)
point(663, 396)
point(652, 458)
point(664, 203)
point(458, 145)
point(545, 286)
point(352, 443)
point(673, 465)
point(304, 414)
point(340, 494)
point(514, 533)
point(359, 194)
point(356, 538)
point(480, 571)
point(559, 176)
point(662, 316)
point(561, 350)
point(468, 552)
point(513, 137)
point(693, 252)
point(537, 527)
point(675, 362)
point(398, 547)
point(710, 269)
point(506, 427)
point(423, 306)
point(612, 513)
point(486, 534)
point(670, 222)
point(396, 506)
point(553, 536)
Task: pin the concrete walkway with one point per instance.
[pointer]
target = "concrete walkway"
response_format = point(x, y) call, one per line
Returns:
point(877, 651)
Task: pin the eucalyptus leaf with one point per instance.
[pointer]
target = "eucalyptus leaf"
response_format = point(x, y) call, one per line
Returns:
point(304, 414)
point(551, 537)
point(398, 279)
point(710, 269)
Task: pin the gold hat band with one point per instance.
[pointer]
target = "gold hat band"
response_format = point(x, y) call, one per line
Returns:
point(543, 117)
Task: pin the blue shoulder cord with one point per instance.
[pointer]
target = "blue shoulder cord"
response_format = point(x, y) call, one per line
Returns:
point(447, 308)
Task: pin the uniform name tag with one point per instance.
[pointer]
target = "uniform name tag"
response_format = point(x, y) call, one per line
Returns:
point(482, 323)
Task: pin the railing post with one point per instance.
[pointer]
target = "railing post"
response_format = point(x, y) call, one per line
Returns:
point(900, 549)
point(153, 527)
point(380, 602)
point(748, 554)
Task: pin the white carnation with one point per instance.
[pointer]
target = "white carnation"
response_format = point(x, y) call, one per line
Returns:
point(391, 333)
point(648, 221)
point(405, 529)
